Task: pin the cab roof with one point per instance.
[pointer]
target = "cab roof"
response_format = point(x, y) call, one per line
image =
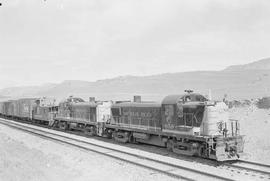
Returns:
point(173, 99)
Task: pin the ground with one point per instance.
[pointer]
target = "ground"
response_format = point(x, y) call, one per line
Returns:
point(24, 157)
point(255, 125)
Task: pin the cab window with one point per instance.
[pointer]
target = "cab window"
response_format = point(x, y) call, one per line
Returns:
point(200, 98)
point(187, 98)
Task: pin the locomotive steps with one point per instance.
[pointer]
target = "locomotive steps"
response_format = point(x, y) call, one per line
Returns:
point(161, 164)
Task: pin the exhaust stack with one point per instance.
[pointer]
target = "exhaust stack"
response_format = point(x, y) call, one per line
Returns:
point(137, 99)
point(92, 99)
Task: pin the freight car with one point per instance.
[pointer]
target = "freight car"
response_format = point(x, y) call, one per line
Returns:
point(7, 108)
point(21, 108)
point(29, 109)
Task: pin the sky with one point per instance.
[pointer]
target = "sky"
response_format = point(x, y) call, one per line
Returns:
point(44, 41)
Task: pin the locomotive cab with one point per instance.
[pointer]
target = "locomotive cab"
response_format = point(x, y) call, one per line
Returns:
point(44, 111)
point(199, 127)
point(183, 114)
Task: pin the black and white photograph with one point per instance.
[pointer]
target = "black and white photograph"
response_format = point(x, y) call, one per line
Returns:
point(134, 90)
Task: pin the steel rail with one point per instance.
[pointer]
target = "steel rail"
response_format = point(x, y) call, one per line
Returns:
point(254, 163)
point(242, 167)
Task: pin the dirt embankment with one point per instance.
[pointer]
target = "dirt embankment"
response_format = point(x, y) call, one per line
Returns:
point(255, 125)
point(25, 157)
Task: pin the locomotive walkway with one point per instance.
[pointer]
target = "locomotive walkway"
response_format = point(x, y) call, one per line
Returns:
point(158, 163)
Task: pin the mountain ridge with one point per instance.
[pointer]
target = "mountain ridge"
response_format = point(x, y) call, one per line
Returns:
point(263, 64)
point(239, 82)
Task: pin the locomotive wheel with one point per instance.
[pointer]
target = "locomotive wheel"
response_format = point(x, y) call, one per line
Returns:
point(90, 131)
point(55, 124)
point(108, 134)
point(63, 125)
point(202, 152)
point(122, 137)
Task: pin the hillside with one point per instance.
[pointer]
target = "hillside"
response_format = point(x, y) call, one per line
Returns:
point(238, 85)
point(23, 91)
point(238, 82)
point(263, 64)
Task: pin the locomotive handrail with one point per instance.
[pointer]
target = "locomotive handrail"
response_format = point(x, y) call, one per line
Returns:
point(235, 130)
point(195, 119)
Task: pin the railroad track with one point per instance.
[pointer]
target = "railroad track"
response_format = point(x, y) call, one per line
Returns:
point(170, 169)
point(156, 164)
point(251, 167)
point(255, 164)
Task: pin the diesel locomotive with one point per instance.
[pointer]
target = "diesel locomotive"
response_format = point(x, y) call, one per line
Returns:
point(187, 124)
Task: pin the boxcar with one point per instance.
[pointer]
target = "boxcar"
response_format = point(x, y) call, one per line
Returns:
point(23, 108)
point(1, 108)
point(9, 108)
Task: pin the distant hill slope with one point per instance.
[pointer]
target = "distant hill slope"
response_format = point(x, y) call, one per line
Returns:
point(263, 64)
point(238, 85)
point(24, 91)
point(238, 82)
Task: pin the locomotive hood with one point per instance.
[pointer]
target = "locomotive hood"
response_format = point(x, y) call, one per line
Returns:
point(216, 117)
